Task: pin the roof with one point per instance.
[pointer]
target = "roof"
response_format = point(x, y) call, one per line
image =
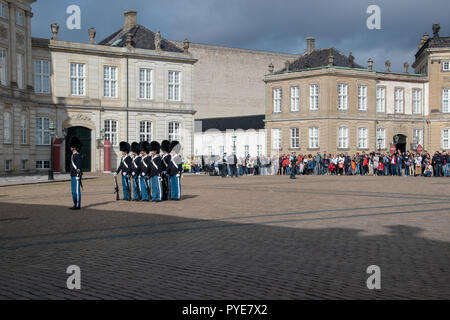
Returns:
point(319, 58)
point(222, 124)
point(143, 38)
point(435, 42)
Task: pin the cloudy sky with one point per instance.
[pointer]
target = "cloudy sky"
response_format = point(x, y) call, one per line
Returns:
point(276, 25)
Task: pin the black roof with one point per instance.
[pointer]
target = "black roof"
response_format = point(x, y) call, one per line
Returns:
point(142, 39)
point(319, 58)
point(243, 122)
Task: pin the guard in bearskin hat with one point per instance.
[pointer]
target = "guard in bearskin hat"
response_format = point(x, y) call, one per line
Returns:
point(145, 170)
point(165, 161)
point(155, 171)
point(136, 171)
point(175, 169)
point(126, 167)
point(76, 172)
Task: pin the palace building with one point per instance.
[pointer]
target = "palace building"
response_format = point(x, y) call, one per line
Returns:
point(325, 102)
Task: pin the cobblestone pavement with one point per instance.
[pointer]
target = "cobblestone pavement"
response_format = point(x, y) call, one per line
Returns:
point(246, 238)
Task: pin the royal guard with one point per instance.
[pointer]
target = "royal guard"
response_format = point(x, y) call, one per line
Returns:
point(145, 170)
point(165, 161)
point(155, 171)
point(76, 172)
point(125, 167)
point(136, 171)
point(175, 170)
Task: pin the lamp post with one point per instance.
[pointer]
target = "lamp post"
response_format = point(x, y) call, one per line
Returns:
point(233, 137)
point(51, 127)
point(379, 144)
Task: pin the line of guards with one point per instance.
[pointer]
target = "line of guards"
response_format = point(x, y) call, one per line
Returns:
point(147, 175)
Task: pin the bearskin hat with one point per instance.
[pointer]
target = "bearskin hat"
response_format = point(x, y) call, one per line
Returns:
point(165, 146)
point(135, 148)
point(155, 146)
point(175, 146)
point(145, 146)
point(124, 147)
point(75, 143)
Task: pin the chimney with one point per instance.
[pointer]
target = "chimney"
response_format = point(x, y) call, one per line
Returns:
point(310, 41)
point(130, 19)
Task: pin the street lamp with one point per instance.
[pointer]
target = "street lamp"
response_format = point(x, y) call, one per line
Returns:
point(379, 144)
point(233, 137)
point(51, 127)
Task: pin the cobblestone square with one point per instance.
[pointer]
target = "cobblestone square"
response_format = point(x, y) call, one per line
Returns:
point(255, 237)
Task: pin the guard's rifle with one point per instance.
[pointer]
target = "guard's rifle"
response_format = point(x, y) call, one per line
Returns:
point(116, 190)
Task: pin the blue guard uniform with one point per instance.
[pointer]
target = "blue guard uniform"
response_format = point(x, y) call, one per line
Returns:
point(76, 172)
point(165, 161)
point(145, 170)
point(175, 169)
point(136, 171)
point(125, 167)
point(155, 171)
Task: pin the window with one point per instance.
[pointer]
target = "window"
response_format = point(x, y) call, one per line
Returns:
point(3, 67)
point(446, 139)
point(277, 100)
point(418, 135)
point(8, 165)
point(111, 131)
point(145, 131)
point(145, 84)
point(174, 85)
point(381, 99)
point(342, 97)
point(3, 11)
point(446, 66)
point(246, 150)
point(295, 99)
point(110, 82)
point(210, 150)
point(343, 138)
point(42, 131)
point(24, 164)
point(20, 71)
point(7, 128)
point(362, 138)
point(42, 76)
point(314, 138)
point(19, 18)
point(77, 79)
point(362, 98)
point(24, 129)
point(445, 98)
point(276, 139)
point(42, 164)
point(174, 131)
point(258, 150)
point(417, 100)
point(314, 97)
point(295, 138)
point(381, 138)
point(399, 102)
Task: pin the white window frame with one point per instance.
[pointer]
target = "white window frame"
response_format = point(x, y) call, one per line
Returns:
point(295, 138)
point(24, 128)
point(417, 101)
point(77, 79)
point(381, 133)
point(43, 132)
point(381, 99)
point(42, 76)
point(277, 97)
point(8, 165)
point(313, 97)
point(19, 18)
point(446, 139)
point(110, 81)
point(174, 87)
point(20, 70)
point(362, 97)
point(174, 130)
point(342, 89)
point(111, 128)
point(23, 164)
point(446, 65)
point(3, 10)
point(145, 83)
point(363, 138)
point(276, 139)
point(7, 127)
point(258, 149)
point(145, 130)
point(399, 100)
point(295, 98)
point(343, 137)
point(314, 138)
point(42, 164)
point(3, 66)
point(418, 133)
point(246, 150)
point(446, 100)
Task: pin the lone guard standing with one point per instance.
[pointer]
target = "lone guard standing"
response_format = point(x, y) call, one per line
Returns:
point(76, 172)
point(125, 167)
